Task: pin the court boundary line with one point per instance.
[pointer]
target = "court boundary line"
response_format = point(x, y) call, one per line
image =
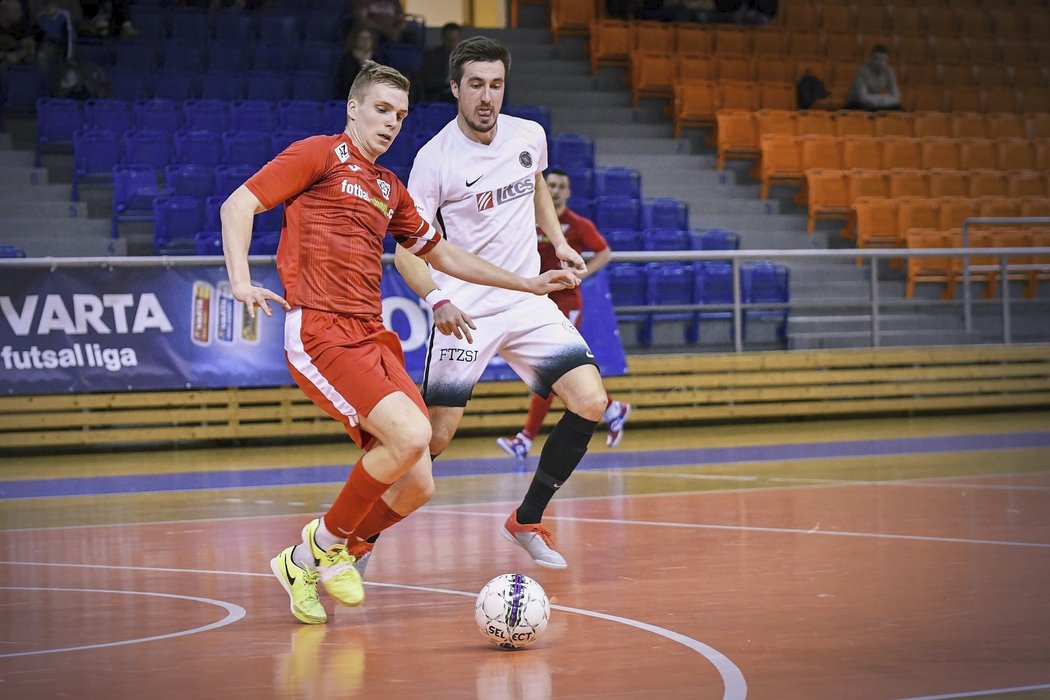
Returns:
point(981, 693)
point(733, 682)
point(234, 613)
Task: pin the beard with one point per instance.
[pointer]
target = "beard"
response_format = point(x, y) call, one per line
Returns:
point(482, 128)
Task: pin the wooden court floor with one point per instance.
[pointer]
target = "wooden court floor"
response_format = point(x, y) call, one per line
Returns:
point(883, 559)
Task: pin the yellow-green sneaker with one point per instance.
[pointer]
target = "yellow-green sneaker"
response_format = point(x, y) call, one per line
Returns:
point(336, 568)
point(301, 586)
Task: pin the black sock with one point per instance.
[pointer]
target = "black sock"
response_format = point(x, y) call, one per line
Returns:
point(563, 450)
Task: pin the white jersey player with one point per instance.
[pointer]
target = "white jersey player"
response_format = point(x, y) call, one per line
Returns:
point(481, 180)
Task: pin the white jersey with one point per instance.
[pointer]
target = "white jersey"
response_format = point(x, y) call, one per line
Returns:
point(485, 197)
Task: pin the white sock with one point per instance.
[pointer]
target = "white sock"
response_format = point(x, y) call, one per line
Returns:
point(302, 556)
point(325, 538)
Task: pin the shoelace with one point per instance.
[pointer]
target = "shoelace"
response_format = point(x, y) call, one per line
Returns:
point(544, 534)
point(311, 578)
point(340, 557)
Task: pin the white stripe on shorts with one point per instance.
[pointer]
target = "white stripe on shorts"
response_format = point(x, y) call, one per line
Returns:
point(298, 357)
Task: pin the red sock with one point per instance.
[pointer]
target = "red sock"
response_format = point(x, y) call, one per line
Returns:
point(539, 407)
point(378, 519)
point(354, 502)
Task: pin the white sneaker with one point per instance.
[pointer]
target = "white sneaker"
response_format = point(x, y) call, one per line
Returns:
point(536, 540)
point(617, 422)
point(517, 446)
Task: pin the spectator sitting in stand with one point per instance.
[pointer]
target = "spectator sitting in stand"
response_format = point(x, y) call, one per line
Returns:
point(17, 44)
point(360, 47)
point(385, 18)
point(875, 84)
point(436, 85)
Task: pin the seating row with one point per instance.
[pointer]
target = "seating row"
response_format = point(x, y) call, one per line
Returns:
point(936, 18)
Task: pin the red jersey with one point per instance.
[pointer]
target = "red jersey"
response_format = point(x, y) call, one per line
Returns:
point(579, 233)
point(338, 207)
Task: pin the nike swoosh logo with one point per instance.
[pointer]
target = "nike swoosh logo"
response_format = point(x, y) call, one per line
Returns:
point(590, 355)
point(470, 183)
point(287, 573)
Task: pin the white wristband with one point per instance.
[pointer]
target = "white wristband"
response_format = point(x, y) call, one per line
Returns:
point(434, 296)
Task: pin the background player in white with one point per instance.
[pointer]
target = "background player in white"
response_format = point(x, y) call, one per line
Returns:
point(481, 179)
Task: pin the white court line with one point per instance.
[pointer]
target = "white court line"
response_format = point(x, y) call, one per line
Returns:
point(233, 614)
point(735, 687)
point(980, 693)
point(754, 528)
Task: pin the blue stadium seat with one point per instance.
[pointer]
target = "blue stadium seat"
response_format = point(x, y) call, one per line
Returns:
point(198, 147)
point(671, 284)
point(335, 116)
point(232, 26)
point(129, 84)
point(22, 87)
point(432, 118)
point(252, 115)
point(300, 115)
point(95, 152)
point(320, 26)
point(229, 56)
point(713, 286)
point(229, 177)
point(189, 24)
point(266, 85)
point(275, 57)
point(280, 140)
point(670, 239)
point(628, 286)
point(112, 115)
point(57, 119)
point(190, 180)
point(221, 84)
point(623, 239)
point(278, 28)
point(173, 84)
point(246, 148)
point(320, 56)
point(317, 85)
point(581, 183)
point(269, 221)
point(134, 189)
point(135, 55)
point(715, 239)
point(176, 223)
point(212, 206)
point(616, 181)
point(665, 212)
point(183, 55)
point(212, 115)
point(159, 114)
point(587, 208)
point(264, 242)
point(572, 151)
point(208, 243)
point(400, 154)
point(147, 147)
point(97, 52)
point(150, 21)
point(618, 212)
point(541, 114)
point(10, 251)
point(407, 58)
point(765, 283)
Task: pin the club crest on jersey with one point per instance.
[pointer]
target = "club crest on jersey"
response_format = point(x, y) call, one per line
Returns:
point(525, 158)
point(384, 187)
point(516, 190)
point(342, 152)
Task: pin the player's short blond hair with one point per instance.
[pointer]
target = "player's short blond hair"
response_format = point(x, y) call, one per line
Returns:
point(373, 73)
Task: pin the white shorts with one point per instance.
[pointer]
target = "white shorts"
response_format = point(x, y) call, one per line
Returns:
point(533, 337)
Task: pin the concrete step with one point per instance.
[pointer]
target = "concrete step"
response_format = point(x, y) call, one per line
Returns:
point(714, 205)
point(5, 141)
point(15, 159)
point(594, 100)
point(772, 223)
point(688, 164)
point(550, 67)
point(862, 339)
point(44, 209)
point(21, 175)
point(624, 115)
point(613, 148)
point(862, 322)
point(71, 245)
point(59, 229)
point(598, 130)
point(35, 193)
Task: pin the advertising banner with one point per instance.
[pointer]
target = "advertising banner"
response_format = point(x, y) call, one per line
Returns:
point(80, 329)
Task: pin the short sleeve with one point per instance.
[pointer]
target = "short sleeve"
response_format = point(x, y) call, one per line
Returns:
point(541, 148)
point(589, 236)
point(408, 228)
point(424, 184)
point(291, 172)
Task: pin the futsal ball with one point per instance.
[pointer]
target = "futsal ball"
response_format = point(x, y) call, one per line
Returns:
point(512, 611)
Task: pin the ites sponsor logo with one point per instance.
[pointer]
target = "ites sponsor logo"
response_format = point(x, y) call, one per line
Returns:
point(516, 190)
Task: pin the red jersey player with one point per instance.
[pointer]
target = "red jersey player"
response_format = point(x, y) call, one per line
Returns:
point(581, 234)
point(338, 206)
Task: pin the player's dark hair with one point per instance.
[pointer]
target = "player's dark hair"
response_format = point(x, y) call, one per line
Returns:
point(557, 171)
point(880, 48)
point(373, 73)
point(476, 48)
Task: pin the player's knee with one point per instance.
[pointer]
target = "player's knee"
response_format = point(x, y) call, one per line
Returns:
point(424, 492)
point(589, 404)
point(440, 440)
point(412, 444)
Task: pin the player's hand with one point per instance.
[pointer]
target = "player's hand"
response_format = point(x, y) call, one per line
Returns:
point(253, 296)
point(571, 260)
point(450, 320)
point(552, 281)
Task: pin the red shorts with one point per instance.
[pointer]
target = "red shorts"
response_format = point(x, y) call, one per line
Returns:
point(346, 365)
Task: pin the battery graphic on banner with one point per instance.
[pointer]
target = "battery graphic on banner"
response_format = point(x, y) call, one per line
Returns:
point(200, 324)
point(225, 320)
point(250, 323)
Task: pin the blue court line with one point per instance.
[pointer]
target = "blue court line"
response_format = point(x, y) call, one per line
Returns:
point(296, 476)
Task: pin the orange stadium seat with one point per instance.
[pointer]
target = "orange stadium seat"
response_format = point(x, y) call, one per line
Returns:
point(800, 15)
point(1027, 183)
point(940, 20)
point(1035, 206)
point(805, 44)
point(653, 36)
point(1026, 76)
point(651, 75)
point(781, 161)
point(876, 223)
point(815, 122)
point(862, 183)
point(1001, 99)
point(901, 152)
point(969, 125)
point(1003, 125)
point(978, 153)
point(974, 21)
point(861, 152)
point(838, 18)
point(827, 194)
point(571, 17)
point(695, 66)
point(977, 238)
point(694, 38)
point(956, 75)
point(955, 210)
point(821, 152)
point(1040, 239)
point(842, 46)
point(932, 124)
point(695, 104)
point(779, 95)
point(940, 153)
point(998, 206)
point(1038, 125)
point(912, 49)
point(923, 72)
point(734, 67)
point(1017, 52)
point(774, 69)
point(949, 49)
point(776, 121)
point(916, 212)
point(947, 182)
point(1012, 22)
point(1015, 154)
point(933, 269)
point(906, 20)
point(1011, 238)
point(1035, 100)
point(1042, 154)
point(989, 183)
point(737, 135)
point(926, 98)
point(909, 182)
point(965, 100)
point(730, 39)
point(991, 75)
point(893, 124)
point(854, 123)
point(871, 17)
point(769, 42)
point(610, 42)
point(983, 49)
point(737, 94)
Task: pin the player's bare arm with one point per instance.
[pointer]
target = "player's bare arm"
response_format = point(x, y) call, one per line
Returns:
point(237, 215)
point(453, 260)
point(449, 319)
point(597, 262)
point(547, 220)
